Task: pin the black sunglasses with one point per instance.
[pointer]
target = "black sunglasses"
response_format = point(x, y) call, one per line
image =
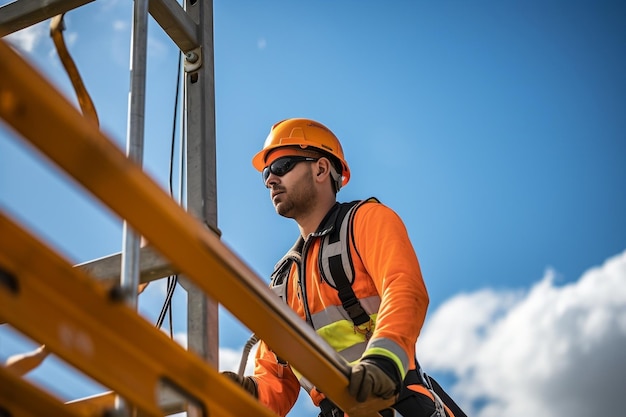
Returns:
point(283, 165)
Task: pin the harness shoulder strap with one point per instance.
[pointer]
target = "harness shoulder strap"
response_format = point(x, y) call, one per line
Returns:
point(280, 277)
point(335, 261)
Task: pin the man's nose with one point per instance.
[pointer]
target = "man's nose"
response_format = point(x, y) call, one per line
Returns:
point(271, 180)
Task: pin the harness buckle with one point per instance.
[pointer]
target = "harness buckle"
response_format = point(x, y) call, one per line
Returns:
point(364, 329)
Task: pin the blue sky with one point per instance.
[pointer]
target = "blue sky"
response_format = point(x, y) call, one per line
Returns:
point(497, 131)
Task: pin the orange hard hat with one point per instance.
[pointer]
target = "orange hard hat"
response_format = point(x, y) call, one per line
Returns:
point(305, 133)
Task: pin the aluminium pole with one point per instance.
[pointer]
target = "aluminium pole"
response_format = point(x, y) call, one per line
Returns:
point(202, 312)
point(129, 278)
point(135, 139)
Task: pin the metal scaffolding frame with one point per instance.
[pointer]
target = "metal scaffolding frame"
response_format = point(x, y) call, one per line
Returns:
point(191, 29)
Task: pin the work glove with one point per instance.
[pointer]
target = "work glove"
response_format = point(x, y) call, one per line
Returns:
point(373, 377)
point(247, 382)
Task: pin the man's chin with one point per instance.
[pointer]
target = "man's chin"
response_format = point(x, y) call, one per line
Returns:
point(282, 209)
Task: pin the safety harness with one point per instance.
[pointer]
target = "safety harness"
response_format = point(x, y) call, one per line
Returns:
point(336, 267)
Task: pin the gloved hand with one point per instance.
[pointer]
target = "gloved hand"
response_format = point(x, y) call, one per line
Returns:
point(368, 378)
point(247, 382)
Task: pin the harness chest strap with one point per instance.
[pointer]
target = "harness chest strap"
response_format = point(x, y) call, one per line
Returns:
point(336, 266)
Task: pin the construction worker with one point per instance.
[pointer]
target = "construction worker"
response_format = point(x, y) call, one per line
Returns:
point(303, 166)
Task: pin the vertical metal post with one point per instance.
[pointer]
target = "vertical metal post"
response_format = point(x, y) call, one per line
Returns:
point(202, 312)
point(134, 140)
point(129, 278)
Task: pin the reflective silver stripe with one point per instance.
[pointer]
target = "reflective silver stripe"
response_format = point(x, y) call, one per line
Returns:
point(334, 314)
point(306, 384)
point(332, 249)
point(341, 247)
point(328, 316)
point(354, 352)
point(391, 347)
point(370, 304)
point(280, 290)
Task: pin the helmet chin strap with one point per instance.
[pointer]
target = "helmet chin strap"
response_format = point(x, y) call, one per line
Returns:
point(337, 178)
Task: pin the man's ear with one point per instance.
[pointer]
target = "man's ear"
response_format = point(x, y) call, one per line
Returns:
point(322, 168)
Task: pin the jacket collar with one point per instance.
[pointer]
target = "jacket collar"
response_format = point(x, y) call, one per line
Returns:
point(328, 223)
point(326, 226)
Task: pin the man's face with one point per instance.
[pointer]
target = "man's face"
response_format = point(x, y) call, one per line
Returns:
point(293, 193)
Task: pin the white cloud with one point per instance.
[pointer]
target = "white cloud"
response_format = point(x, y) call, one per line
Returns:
point(120, 25)
point(261, 43)
point(70, 38)
point(28, 38)
point(181, 338)
point(551, 351)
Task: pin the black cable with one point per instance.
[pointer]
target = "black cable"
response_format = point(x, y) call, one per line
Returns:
point(174, 123)
point(172, 280)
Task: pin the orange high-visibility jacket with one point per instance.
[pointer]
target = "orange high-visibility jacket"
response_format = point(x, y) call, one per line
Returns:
point(388, 283)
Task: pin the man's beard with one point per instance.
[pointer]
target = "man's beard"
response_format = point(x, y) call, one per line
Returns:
point(300, 199)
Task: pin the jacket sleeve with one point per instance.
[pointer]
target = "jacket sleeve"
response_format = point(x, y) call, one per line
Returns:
point(277, 386)
point(383, 244)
